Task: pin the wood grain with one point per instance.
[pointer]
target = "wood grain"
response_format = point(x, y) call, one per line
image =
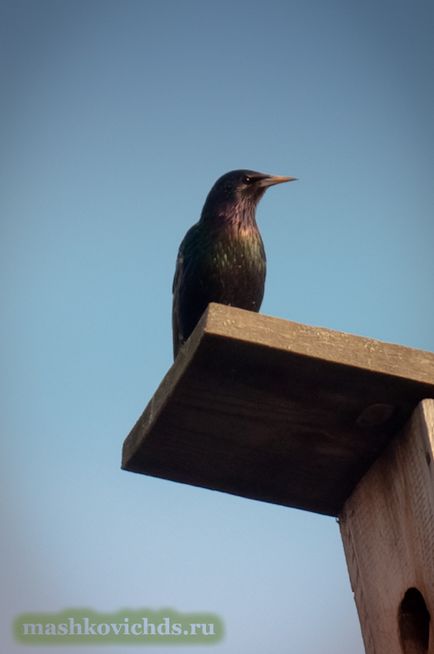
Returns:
point(387, 527)
point(277, 411)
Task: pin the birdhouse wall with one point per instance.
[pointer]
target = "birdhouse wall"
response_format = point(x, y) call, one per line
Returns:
point(387, 527)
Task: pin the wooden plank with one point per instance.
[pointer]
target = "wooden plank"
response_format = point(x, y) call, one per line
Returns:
point(387, 527)
point(277, 411)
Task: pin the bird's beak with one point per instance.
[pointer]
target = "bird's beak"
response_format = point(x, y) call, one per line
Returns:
point(270, 180)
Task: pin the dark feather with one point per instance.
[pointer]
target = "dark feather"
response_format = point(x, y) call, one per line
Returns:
point(221, 258)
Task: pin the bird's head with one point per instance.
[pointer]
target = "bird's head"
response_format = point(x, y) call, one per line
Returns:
point(240, 187)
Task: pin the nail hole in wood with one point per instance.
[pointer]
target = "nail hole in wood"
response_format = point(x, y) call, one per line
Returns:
point(414, 619)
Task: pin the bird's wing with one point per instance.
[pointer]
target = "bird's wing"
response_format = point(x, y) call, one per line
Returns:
point(177, 287)
point(178, 268)
point(177, 335)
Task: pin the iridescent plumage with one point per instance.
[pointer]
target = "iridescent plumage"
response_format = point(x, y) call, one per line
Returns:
point(222, 257)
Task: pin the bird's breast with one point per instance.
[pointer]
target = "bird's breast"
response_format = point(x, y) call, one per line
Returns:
point(239, 248)
point(234, 268)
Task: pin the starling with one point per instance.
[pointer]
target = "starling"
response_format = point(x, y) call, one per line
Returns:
point(222, 258)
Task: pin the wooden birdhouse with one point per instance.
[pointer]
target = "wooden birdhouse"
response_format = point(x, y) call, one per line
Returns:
point(319, 420)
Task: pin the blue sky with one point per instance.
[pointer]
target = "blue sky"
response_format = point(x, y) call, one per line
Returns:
point(116, 118)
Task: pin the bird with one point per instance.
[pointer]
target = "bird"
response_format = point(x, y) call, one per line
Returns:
point(222, 257)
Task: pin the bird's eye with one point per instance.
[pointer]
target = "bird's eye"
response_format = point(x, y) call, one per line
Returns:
point(247, 179)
